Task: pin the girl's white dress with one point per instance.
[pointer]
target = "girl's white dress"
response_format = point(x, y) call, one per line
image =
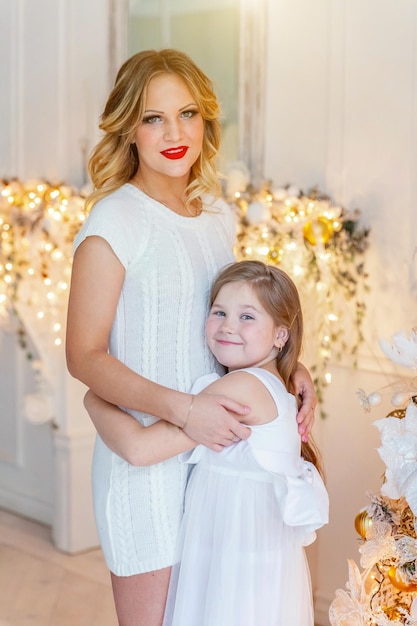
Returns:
point(249, 510)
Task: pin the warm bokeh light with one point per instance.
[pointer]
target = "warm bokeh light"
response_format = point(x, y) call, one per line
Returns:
point(38, 223)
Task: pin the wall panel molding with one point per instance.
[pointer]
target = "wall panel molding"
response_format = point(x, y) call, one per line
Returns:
point(413, 168)
point(118, 36)
point(62, 81)
point(11, 76)
point(335, 165)
point(252, 76)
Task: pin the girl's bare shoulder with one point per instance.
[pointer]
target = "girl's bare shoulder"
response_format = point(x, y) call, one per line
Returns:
point(250, 391)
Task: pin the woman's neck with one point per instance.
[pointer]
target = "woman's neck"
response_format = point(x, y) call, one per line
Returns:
point(171, 192)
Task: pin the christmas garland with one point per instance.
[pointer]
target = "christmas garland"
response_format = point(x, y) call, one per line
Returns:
point(319, 244)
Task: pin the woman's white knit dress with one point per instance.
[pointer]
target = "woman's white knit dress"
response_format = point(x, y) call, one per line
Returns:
point(158, 331)
point(249, 511)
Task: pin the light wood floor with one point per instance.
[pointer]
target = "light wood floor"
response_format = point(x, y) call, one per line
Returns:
point(40, 586)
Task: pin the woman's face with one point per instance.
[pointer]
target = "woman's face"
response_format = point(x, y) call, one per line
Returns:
point(169, 138)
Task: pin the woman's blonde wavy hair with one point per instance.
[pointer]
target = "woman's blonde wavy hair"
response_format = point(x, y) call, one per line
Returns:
point(114, 161)
point(279, 296)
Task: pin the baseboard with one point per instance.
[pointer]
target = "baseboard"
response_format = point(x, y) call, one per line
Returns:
point(24, 505)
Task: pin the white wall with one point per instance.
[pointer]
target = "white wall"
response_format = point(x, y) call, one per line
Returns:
point(341, 112)
point(55, 76)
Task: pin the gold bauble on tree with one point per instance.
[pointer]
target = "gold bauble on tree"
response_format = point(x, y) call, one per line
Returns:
point(275, 255)
point(363, 521)
point(398, 582)
point(317, 230)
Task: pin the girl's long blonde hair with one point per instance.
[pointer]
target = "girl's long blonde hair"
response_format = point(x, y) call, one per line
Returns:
point(279, 296)
point(115, 160)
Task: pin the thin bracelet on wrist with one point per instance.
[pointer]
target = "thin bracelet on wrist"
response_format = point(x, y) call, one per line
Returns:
point(188, 413)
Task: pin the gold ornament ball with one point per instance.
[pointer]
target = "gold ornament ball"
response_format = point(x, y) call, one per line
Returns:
point(274, 255)
point(396, 580)
point(362, 523)
point(320, 229)
point(398, 413)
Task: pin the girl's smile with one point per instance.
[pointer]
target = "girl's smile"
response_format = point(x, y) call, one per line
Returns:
point(239, 331)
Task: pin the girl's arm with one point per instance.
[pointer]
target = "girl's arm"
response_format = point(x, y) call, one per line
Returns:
point(96, 284)
point(136, 444)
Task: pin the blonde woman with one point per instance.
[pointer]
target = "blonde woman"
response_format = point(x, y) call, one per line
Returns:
point(156, 236)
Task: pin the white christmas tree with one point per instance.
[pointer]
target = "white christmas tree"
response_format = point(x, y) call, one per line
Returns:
point(384, 591)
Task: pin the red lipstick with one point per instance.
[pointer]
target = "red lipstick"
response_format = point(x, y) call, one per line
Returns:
point(175, 153)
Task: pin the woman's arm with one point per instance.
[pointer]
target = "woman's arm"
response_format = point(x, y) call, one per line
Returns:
point(136, 444)
point(245, 388)
point(96, 284)
point(304, 389)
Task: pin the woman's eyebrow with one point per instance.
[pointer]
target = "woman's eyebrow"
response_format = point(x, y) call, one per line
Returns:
point(191, 104)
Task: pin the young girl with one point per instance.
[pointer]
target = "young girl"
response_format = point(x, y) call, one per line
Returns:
point(250, 508)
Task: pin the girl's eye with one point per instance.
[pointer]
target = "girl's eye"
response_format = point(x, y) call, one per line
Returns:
point(246, 316)
point(218, 313)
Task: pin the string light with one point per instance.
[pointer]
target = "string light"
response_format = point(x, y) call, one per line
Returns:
point(38, 223)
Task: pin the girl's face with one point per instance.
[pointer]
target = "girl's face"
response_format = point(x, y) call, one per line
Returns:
point(239, 331)
point(169, 138)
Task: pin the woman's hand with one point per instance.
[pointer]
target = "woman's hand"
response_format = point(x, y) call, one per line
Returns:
point(211, 421)
point(304, 388)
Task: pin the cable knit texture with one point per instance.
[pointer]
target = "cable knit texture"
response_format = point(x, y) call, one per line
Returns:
point(158, 331)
